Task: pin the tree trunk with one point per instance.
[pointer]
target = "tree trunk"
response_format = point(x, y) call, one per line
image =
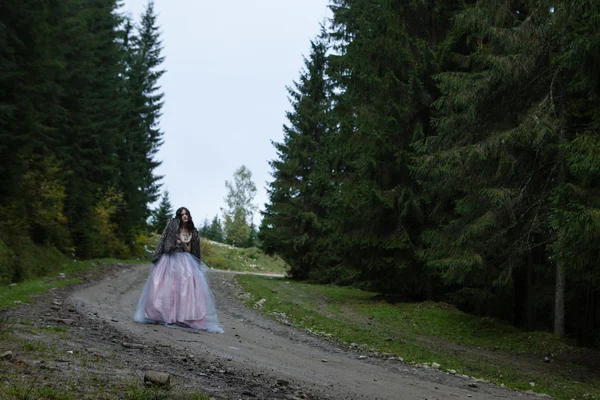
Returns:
point(559, 298)
point(429, 288)
point(530, 307)
point(559, 302)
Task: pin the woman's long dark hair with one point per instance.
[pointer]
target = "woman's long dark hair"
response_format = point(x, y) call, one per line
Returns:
point(191, 226)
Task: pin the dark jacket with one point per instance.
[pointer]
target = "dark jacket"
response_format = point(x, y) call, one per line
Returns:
point(168, 241)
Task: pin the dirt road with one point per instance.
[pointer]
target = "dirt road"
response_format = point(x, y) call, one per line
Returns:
point(258, 357)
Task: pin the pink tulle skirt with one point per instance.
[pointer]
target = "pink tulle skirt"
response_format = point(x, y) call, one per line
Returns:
point(177, 294)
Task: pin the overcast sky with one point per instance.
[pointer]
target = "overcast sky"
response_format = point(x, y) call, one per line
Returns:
point(227, 63)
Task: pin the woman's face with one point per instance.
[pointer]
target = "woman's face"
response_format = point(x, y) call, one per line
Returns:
point(185, 216)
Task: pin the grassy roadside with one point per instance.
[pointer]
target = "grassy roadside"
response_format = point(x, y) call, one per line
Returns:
point(430, 332)
point(68, 274)
point(229, 258)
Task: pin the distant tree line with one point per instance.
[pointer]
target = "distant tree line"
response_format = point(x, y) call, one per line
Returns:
point(237, 227)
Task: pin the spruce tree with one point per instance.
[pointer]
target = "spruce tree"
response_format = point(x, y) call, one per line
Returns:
point(205, 228)
point(62, 112)
point(163, 213)
point(290, 225)
point(575, 202)
point(382, 64)
point(91, 133)
point(252, 237)
point(215, 231)
point(60, 120)
point(505, 166)
point(142, 136)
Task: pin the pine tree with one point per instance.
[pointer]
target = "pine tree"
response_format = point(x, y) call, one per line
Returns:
point(162, 214)
point(498, 169)
point(91, 133)
point(215, 231)
point(252, 237)
point(481, 168)
point(204, 229)
point(63, 105)
point(23, 86)
point(60, 107)
point(575, 202)
point(142, 136)
point(290, 225)
point(382, 65)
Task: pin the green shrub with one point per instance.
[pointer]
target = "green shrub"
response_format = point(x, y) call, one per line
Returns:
point(216, 262)
point(8, 264)
point(206, 248)
point(28, 260)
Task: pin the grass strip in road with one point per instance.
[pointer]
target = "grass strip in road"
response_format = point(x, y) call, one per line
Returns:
point(430, 332)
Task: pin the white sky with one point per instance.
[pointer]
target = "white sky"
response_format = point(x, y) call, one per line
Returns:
point(227, 63)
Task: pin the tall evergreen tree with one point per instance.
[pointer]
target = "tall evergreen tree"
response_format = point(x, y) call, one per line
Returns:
point(290, 225)
point(575, 203)
point(505, 168)
point(67, 56)
point(383, 60)
point(488, 167)
point(91, 133)
point(142, 137)
point(26, 89)
point(460, 160)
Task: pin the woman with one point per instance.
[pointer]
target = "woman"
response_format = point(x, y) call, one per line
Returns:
point(176, 292)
